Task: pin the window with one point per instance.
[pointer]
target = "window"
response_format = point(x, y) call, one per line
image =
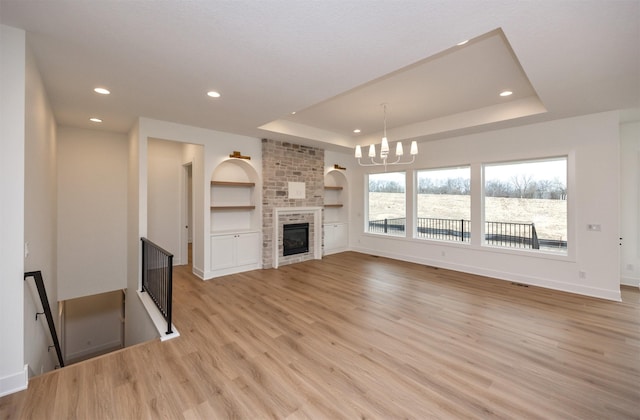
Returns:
point(443, 204)
point(525, 205)
point(386, 211)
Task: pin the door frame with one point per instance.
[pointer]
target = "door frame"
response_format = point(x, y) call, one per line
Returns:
point(186, 210)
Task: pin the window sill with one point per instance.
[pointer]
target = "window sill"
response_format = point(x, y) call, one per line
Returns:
point(520, 252)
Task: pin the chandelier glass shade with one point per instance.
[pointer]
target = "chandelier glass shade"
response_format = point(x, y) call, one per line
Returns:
point(383, 159)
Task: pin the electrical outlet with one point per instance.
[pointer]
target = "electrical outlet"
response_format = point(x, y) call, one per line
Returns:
point(26, 250)
point(443, 254)
point(594, 228)
point(630, 267)
point(582, 274)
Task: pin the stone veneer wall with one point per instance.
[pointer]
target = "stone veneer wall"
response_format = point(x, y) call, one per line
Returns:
point(282, 163)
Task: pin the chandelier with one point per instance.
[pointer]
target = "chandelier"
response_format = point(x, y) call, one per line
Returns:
point(384, 150)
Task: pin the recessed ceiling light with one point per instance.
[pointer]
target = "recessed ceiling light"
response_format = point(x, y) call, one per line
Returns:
point(101, 91)
point(462, 42)
point(506, 93)
point(357, 130)
point(293, 112)
point(95, 120)
point(213, 94)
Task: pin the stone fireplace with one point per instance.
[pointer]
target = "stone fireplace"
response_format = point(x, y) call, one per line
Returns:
point(284, 163)
point(285, 215)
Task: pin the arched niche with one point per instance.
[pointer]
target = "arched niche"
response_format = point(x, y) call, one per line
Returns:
point(235, 170)
point(336, 196)
point(235, 197)
point(335, 177)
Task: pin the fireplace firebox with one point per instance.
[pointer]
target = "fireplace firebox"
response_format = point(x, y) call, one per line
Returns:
point(295, 238)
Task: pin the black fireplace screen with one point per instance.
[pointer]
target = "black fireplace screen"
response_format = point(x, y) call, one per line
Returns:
point(295, 238)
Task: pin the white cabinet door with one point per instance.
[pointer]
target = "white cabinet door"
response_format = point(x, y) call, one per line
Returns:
point(223, 251)
point(235, 250)
point(329, 237)
point(341, 235)
point(335, 236)
point(248, 248)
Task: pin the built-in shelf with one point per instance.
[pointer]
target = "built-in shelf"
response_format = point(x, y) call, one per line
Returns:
point(333, 196)
point(233, 207)
point(336, 227)
point(236, 219)
point(233, 184)
point(232, 231)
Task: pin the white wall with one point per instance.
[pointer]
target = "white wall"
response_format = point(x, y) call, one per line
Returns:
point(630, 203)
point(217, 147)
point(92, 212)
point(92, 325)
point(592, 144)
point(40, 220)
point(166, 194)
point(13, 371)
point(138, 325)
point(164, 199)
point(345, 160)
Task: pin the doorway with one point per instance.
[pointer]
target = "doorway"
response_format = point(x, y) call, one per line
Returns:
point(186, 236)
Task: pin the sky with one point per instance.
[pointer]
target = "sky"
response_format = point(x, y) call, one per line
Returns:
point(541, 170)
point(547, 169)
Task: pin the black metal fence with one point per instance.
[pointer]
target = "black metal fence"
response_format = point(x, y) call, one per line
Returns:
point(444, 229)
point(157, 277)
point(391, 226)
point(514, 235)
point(506, 234)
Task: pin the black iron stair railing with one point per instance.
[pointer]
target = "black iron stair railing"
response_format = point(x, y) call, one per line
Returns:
point(42, 292)
point(157, 278)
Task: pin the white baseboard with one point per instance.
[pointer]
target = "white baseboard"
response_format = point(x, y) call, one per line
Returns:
point(157, 318)
point(503, 275)
point(232, 270)
point(335, 250)
point(14, 383)
point(198, 272)
point(629, 281)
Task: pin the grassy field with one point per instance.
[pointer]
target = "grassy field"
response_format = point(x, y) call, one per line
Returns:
point(549, 216)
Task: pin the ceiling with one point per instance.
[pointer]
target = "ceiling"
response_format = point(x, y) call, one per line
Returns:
point(333, 62)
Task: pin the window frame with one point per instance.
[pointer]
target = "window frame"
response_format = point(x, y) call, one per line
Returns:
point(477, 209)
point(366, 221)
point(416, 189)
point(569, 253)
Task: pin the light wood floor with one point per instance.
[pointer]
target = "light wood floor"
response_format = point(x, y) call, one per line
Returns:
point(355, 336)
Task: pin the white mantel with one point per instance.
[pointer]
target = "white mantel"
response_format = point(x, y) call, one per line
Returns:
point(317, 222)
